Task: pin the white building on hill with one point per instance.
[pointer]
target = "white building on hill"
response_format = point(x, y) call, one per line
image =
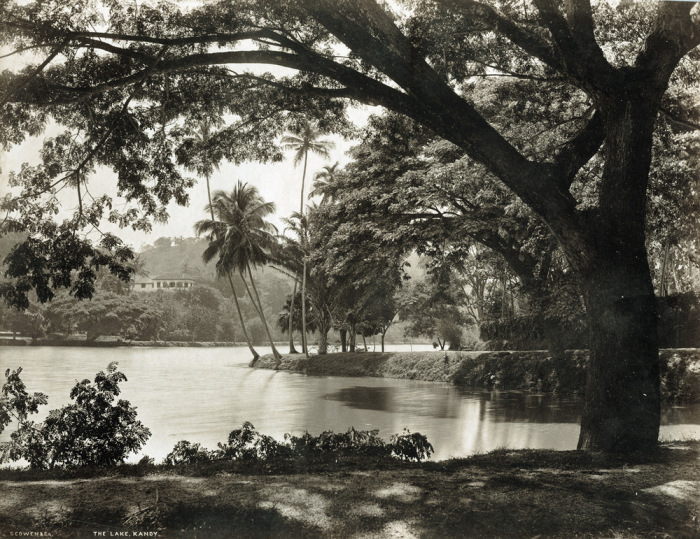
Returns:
point(145, 284)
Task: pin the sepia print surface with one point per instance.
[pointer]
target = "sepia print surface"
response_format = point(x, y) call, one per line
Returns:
point(349, 268)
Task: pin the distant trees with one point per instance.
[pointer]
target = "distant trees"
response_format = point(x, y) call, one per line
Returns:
point(432, 312)
point(106, 314)
point(197, 314)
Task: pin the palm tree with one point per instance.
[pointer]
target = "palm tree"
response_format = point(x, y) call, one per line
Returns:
point(194, 154)
point(323, 182)
point(203, 135)
point(292, 257)
point(302, 143)
point(289, 260)
point(242, 239)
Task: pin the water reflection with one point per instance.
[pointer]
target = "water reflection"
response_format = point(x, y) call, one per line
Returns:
point(365, 398)
point(446, 401)
point(201, 394)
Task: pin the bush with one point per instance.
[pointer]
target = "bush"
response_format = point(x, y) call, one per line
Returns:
point(91, 432)
point(186, 453)
point(352, 442)
point(411, 447)
point(247, 444)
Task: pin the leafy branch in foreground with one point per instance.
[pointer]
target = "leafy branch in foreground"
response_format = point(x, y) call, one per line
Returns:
point(91, 432)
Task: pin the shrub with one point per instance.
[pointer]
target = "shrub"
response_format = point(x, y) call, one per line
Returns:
point(352, 442)
point(411, 447)
point(185, 452)
point(91, 431)
point(247, 444)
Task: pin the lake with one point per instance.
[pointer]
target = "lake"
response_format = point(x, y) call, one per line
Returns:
point(201, 394)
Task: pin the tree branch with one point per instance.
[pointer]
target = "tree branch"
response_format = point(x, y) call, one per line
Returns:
point(579, 150)
point(583, 58)
point(675, 33)
point(33, 74)
point(530, 42)
point(675, 119)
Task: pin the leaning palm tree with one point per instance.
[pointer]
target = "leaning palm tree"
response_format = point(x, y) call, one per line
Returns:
point(323, 181)
point(242, 239)
point(303, 142)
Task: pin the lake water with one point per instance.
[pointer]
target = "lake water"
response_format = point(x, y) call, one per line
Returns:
point(201, 394)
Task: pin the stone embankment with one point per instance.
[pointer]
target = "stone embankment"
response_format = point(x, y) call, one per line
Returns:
point(528, 370)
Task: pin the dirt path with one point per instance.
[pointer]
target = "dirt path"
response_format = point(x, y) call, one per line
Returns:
point(502, 494)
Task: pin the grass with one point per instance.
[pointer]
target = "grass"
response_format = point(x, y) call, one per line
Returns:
point(505, 493)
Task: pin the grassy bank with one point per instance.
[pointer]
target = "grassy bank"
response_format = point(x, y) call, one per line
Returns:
point(505, 493)
point(530, 370)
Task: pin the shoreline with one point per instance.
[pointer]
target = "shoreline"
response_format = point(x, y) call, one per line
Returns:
point(118, 344)
point(518, 370)
point(114, 343)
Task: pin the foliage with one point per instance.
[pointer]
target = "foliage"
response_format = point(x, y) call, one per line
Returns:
point(186, 453)
point(247, 444)
point(414, 447)
point(300, 251)
point(106, 314)
point(15, 403)
point(531, 92)
point(94, 431)
point(432, 311)
point(283, 316)
point(30, 322)
point(679, 320)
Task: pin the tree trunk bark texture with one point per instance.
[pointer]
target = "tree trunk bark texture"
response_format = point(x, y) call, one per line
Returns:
point(343, 340)
point(323, 340)
point(622, 409)
point(258, 307)
point(353, 335)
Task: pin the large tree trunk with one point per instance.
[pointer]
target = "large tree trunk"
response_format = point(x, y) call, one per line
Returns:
point(622, 410)
point(353, 334)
